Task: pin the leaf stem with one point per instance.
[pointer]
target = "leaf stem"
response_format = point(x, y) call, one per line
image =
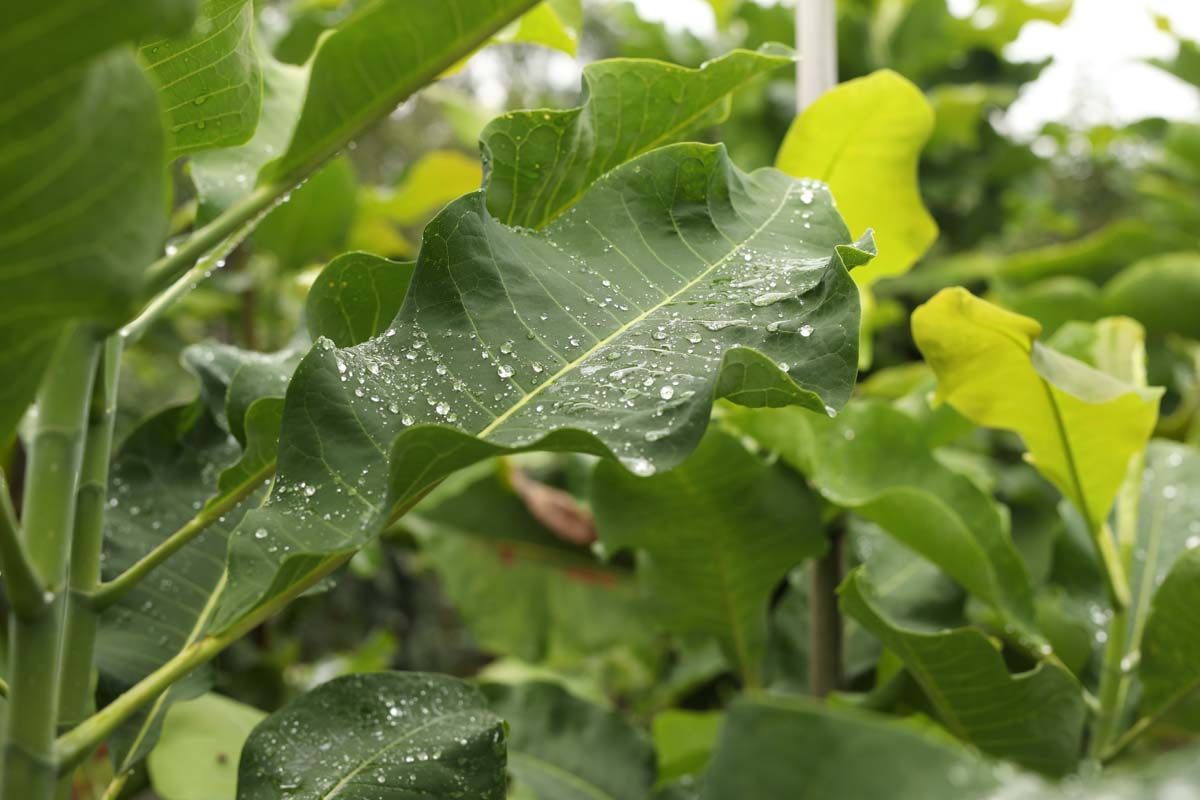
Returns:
point(111, 591)
point(54, 462)
point(74, 746)
point(825, 630)
point(24, 590)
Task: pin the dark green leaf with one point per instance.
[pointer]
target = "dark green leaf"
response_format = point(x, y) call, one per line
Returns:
point(314, 222)
point(356, 297)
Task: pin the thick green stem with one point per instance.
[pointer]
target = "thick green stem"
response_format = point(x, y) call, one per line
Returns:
point(56, 451)
point(22, 586)
point(76, 694)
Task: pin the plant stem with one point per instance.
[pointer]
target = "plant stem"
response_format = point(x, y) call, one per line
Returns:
point(54, 461)
point(76, 692)
point(825, 632)
point(1112, 680)
point(24, 590)
point(75, 745)
point(109, 592)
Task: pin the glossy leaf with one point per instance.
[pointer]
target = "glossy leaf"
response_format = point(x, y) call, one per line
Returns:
point(541, 162)
point(864, 138)
point(1034, 718)
point(197, 755)
point(1081, 425)
point(386, 733)
point(375, 58)
point(209, 81)
point(84, 204)
point(873, 459)
point(356, 297)
point(674, 299)
point(564, 748)
point(714, 536)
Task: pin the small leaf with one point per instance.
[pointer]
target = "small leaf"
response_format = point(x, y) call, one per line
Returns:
point(1034, 718)
point(1081, 425)
point(356, 297)
point(714, 536)
point(541, 162)
point(197, 754)
point(209, 80)
point(385, 733)
point(864, 138)
point(564, 748)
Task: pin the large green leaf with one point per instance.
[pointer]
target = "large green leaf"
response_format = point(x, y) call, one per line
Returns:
point(383, 734)
point(520, 589)
point(864, 138)
point(197, 756)
point(375, 58)
point(564, 748)
point(714, 536)
point(84, 204)
point(541, 162)
point(356, 297)
point(676, 280)
point(873, 459)
point(1034, 718)
point(209, 80)
point(1081, 425)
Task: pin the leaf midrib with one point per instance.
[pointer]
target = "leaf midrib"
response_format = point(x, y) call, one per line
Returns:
point(639, 318)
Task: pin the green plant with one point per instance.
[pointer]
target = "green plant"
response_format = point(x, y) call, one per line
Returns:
point(610, 402)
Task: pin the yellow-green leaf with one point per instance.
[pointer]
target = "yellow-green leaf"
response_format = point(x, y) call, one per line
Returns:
point(863, 138)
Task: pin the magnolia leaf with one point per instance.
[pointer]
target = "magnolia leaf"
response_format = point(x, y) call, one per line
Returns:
point(1081, 425)
point(83, 209)
point(385, 733)
point(541, 162)
point(714, 536)
point(209, 80)
point(224, 176)
point(564, 748)
point(1034, 718)
point(864, 138)
point(676, 280)
point(356, 297)
point(873, 459)
point(197, 754)
point(772, 745)
point(373, 60)
point(1167, 568)
point(521, 590)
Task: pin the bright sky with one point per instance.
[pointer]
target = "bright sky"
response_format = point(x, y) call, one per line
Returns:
point(1097, 75)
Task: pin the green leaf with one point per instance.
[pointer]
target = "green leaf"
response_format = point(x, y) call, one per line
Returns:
point(773, 746)
point(313, 223)
point(521, 590)
point(83, 210)
point(1034, 718)
point(553, 23)
point(356, 297)
point(864, 138)
point(224, 176)
point(541, 162)
point(673, 298)
point(684, 741)
point(376, 58)
point(196, 757)
point(564, 748)
point(209, 80)
point(434, 179)
point(1168, 538)
point(1081, 425)
point(874, 460)
point(714, 536)
point(397, 734)
point(1161, 292)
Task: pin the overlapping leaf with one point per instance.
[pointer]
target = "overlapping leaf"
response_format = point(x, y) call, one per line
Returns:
point(1033, 718)
point(356, 297)
point(541, 162)
point(197, 756)
point(379, 734)
point(677, 279)
point(714, 537)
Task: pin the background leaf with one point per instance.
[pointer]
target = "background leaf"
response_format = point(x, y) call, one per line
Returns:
point(356, 297)
point(197, 754)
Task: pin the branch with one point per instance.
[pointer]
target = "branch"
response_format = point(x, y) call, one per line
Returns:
point(25, 591)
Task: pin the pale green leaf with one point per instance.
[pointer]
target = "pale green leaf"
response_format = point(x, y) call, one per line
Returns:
point(552, 23)
point(209, 81)
point(863, 138)
point(197, 754)
point(392, 734)
point(714, 536)
point(684, 741)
